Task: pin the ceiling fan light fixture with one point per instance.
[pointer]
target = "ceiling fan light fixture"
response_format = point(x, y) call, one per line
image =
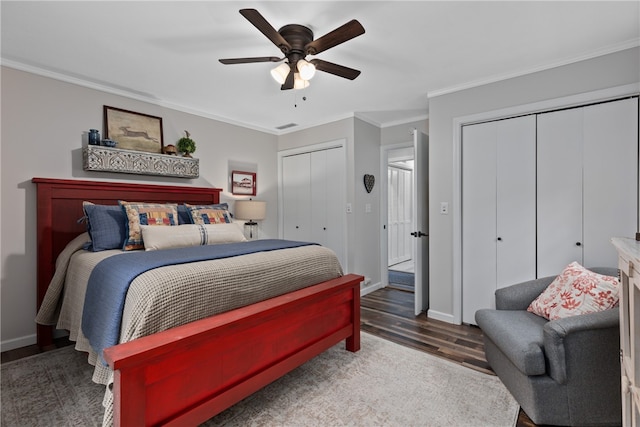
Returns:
point(280, 73)
point(306, 69)
point(299, 82)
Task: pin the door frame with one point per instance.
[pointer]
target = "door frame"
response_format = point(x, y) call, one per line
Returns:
point(531, 108)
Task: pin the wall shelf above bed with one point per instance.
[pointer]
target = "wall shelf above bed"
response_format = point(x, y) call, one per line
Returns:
point(106, 159)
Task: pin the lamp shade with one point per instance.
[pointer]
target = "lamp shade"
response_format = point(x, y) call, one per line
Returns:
point(281, 72)
point(299, 83)
point(306, 69)
point(250, 209)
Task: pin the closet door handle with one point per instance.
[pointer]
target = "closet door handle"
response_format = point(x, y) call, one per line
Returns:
point(499, 239)
point(578, 244)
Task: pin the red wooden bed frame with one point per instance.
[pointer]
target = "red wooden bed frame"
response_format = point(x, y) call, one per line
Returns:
point(188, 374)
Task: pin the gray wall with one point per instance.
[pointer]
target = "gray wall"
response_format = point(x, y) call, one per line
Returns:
point(603, 72)
point(43, 126)
point(367, 227)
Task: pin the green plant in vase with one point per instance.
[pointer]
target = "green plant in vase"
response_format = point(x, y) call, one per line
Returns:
point(186, 145)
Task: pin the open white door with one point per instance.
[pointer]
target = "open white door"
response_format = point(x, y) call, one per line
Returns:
point(421, 215)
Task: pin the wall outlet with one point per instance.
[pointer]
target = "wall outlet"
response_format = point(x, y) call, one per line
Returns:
point(444, 208)
point(367, 208)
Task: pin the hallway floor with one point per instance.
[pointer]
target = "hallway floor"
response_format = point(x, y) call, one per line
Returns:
point(407, 267)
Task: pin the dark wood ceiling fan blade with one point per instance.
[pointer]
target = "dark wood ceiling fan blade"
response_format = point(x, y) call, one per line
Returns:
point(338, 70)
point(249, 60)
point(288, 83)
point(265, 28)
point(341, 34)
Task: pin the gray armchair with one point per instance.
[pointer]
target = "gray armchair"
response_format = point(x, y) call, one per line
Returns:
point(561, 372)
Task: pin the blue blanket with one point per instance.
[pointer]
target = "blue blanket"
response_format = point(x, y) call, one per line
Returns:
point(110, 280)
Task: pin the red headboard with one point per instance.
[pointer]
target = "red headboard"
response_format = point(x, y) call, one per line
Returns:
point(59, 204)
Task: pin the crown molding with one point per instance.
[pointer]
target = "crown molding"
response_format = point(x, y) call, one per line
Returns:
point(126, 93)
point(390, 123)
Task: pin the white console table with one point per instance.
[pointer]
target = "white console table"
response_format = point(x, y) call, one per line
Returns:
point(629, 265)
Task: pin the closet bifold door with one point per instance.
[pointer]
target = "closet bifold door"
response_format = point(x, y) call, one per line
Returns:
point(610, 174)
point(296, 194)
point(313, 198)
point(559, 201)
point(327, 190)
point(498, 209)
point(587, 183)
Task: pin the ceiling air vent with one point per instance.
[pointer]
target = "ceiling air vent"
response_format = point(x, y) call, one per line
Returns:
point(288, 125)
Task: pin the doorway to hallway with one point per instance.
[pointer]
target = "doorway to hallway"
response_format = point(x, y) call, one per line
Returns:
point(400, 221)
point(404, 212)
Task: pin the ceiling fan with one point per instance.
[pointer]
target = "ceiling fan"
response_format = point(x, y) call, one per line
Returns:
point(296, 42)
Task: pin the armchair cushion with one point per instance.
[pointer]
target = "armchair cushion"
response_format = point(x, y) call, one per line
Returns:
point(519, 334)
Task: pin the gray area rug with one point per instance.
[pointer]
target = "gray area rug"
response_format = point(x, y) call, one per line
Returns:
point(384, 384)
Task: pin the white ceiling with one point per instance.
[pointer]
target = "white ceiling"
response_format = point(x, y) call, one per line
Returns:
point(167, 52)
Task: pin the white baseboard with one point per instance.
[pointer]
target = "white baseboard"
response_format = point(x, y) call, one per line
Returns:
point(364, 290)
point(14, 343)
point(444, 317)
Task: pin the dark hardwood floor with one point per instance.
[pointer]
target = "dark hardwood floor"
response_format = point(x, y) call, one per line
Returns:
point(389, 313)
point(19, 353)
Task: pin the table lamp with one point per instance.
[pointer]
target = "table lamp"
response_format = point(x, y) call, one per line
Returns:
point(251, 210)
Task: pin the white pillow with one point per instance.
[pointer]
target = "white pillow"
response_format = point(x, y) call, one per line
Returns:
point(181, 236)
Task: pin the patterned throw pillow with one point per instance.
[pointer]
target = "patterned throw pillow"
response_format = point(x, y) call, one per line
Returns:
point(154, 214)
point(576, 291)
point(184, 211)
point(209, 214)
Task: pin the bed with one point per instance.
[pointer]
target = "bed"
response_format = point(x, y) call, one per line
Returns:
point(187, 374)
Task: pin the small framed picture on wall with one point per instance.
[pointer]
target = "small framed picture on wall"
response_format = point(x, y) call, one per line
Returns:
point(243, 183)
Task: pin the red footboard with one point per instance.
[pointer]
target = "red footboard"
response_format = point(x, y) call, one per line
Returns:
point(186, 375)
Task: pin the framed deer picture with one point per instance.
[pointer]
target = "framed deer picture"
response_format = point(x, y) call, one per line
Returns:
point(133, 131)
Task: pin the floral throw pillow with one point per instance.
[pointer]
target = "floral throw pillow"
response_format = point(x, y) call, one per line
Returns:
point(576, 291)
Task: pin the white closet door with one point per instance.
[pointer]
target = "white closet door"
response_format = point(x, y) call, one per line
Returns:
point(498, 209)
point(516, 200)
point(327, 189)
point(296, 190)
point(319, 196)
point(610, 169)
point(559, 206)
point(478, 218)
point(334, 213)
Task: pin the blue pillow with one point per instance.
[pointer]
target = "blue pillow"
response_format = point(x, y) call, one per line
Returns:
point(105, 225)
point(184, 216)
